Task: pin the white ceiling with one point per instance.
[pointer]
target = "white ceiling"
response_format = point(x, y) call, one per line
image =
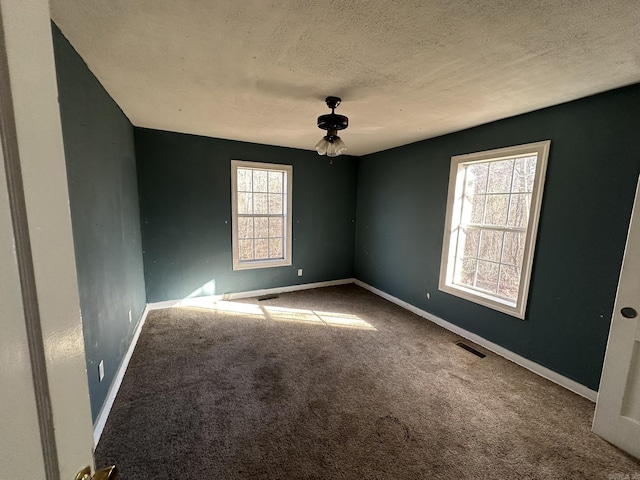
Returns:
point(259, 70)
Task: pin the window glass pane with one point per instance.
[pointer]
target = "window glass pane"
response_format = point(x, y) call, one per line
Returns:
point(513, 248)
point(496, 210)
point(245, 249)
point(476, 203)
point(530, 164)
point(259, 181)
point(477, 175)
point(491, 245)
point(469, 242)
point(275, 248)
point(509, 282)
point(262, 248)
point(260, 203)
point(244, 180)
point(467, 272)
point(500, 174)
point(261, 227)
point(519, 210)
point(276, 180)
point(487, 277)
point(245, 203)
point(245, 227)
point(275, 204)
point(275, 227)
point(524, 174)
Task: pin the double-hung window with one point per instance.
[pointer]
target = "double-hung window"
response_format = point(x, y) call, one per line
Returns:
point(491, 224)
point(261, 214)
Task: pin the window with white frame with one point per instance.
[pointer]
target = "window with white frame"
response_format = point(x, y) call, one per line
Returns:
point(261, 214)
point(493, 208)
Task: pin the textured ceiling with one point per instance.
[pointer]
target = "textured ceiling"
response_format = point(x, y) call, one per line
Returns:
point(259, 70)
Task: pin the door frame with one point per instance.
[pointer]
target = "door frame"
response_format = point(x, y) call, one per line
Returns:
point(609, 421)
point(40, 301)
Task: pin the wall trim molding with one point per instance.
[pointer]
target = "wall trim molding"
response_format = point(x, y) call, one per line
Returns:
point(530, 365)
point(204, 300)
point(291, 288)
point(101, 420)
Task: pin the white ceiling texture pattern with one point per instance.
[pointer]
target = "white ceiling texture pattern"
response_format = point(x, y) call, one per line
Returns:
point(259, 70)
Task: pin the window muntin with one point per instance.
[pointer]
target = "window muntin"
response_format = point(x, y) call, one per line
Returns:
point(492, 216)
point(261, 210)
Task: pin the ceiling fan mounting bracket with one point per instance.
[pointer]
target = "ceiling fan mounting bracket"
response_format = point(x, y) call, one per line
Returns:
point(332, 102)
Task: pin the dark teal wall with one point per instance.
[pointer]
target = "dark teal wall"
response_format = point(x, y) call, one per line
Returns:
point(103, 193)
point(185, 204)
point(591, 180)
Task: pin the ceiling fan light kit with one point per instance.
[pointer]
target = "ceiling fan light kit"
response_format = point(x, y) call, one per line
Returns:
point(331, 144)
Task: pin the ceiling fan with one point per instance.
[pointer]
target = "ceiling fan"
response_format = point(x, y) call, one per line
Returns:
point(331, 144)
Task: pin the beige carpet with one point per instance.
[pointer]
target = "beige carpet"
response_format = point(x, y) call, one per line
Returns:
point(337, 383)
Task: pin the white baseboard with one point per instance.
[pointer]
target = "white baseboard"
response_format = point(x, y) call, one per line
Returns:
point(206, 300)
point(100, 422)
point(290, 288)
point(503, 352)
point(195, 301)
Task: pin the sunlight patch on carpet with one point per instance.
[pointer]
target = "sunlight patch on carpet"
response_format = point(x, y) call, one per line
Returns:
point(285, 314)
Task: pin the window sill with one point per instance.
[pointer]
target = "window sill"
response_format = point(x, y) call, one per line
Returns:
point(503, 306)
point(254, 264)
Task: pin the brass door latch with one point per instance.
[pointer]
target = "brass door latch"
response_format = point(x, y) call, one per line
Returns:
point(109, 473)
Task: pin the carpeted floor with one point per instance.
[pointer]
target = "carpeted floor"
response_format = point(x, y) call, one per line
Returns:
point(337, 383)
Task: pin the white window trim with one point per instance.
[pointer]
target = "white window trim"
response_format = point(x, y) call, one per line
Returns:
point(245, 265)
point(518, 309)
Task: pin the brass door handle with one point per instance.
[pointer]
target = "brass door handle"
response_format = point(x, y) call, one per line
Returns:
point(109, 473)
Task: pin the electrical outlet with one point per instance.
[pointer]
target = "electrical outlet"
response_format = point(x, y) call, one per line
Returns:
point(299, 272)
point(101, 369)
point(129, 316)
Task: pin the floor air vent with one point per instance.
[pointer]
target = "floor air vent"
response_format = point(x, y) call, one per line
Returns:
point(471, 349)
point(267, 297)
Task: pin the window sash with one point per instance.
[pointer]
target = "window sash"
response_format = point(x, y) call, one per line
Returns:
point(269, 237)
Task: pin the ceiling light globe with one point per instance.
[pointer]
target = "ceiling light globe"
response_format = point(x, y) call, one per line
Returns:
point(331, 150)
point(321, 146)
point(339, 146)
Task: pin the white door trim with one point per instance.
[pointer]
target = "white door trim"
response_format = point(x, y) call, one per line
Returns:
point(24, 257)
point(36, 197)
point(617, 415)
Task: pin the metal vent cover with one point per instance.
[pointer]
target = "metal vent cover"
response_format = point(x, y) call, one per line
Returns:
point(471, 349)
